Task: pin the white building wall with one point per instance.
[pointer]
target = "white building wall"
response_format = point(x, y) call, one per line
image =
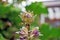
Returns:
point(57, 13)
point(42, 18)
point(51, 14)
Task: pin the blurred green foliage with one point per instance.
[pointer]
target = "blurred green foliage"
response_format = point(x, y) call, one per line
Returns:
point(2, 38)
point(37, 8)
point(12, 13)
point(36, 20)
point(19, 1)
point(1, 25)
point(49, 32)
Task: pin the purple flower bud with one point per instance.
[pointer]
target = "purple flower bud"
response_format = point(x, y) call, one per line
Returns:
point(36, 33)
point(23, 37)
point(28, 16)
point(21, 32)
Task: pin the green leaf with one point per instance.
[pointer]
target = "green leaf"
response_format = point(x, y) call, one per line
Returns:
point(49, 33)
point(37, 8)
point(11, 13)
point(2, 38)
point(1, 25)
